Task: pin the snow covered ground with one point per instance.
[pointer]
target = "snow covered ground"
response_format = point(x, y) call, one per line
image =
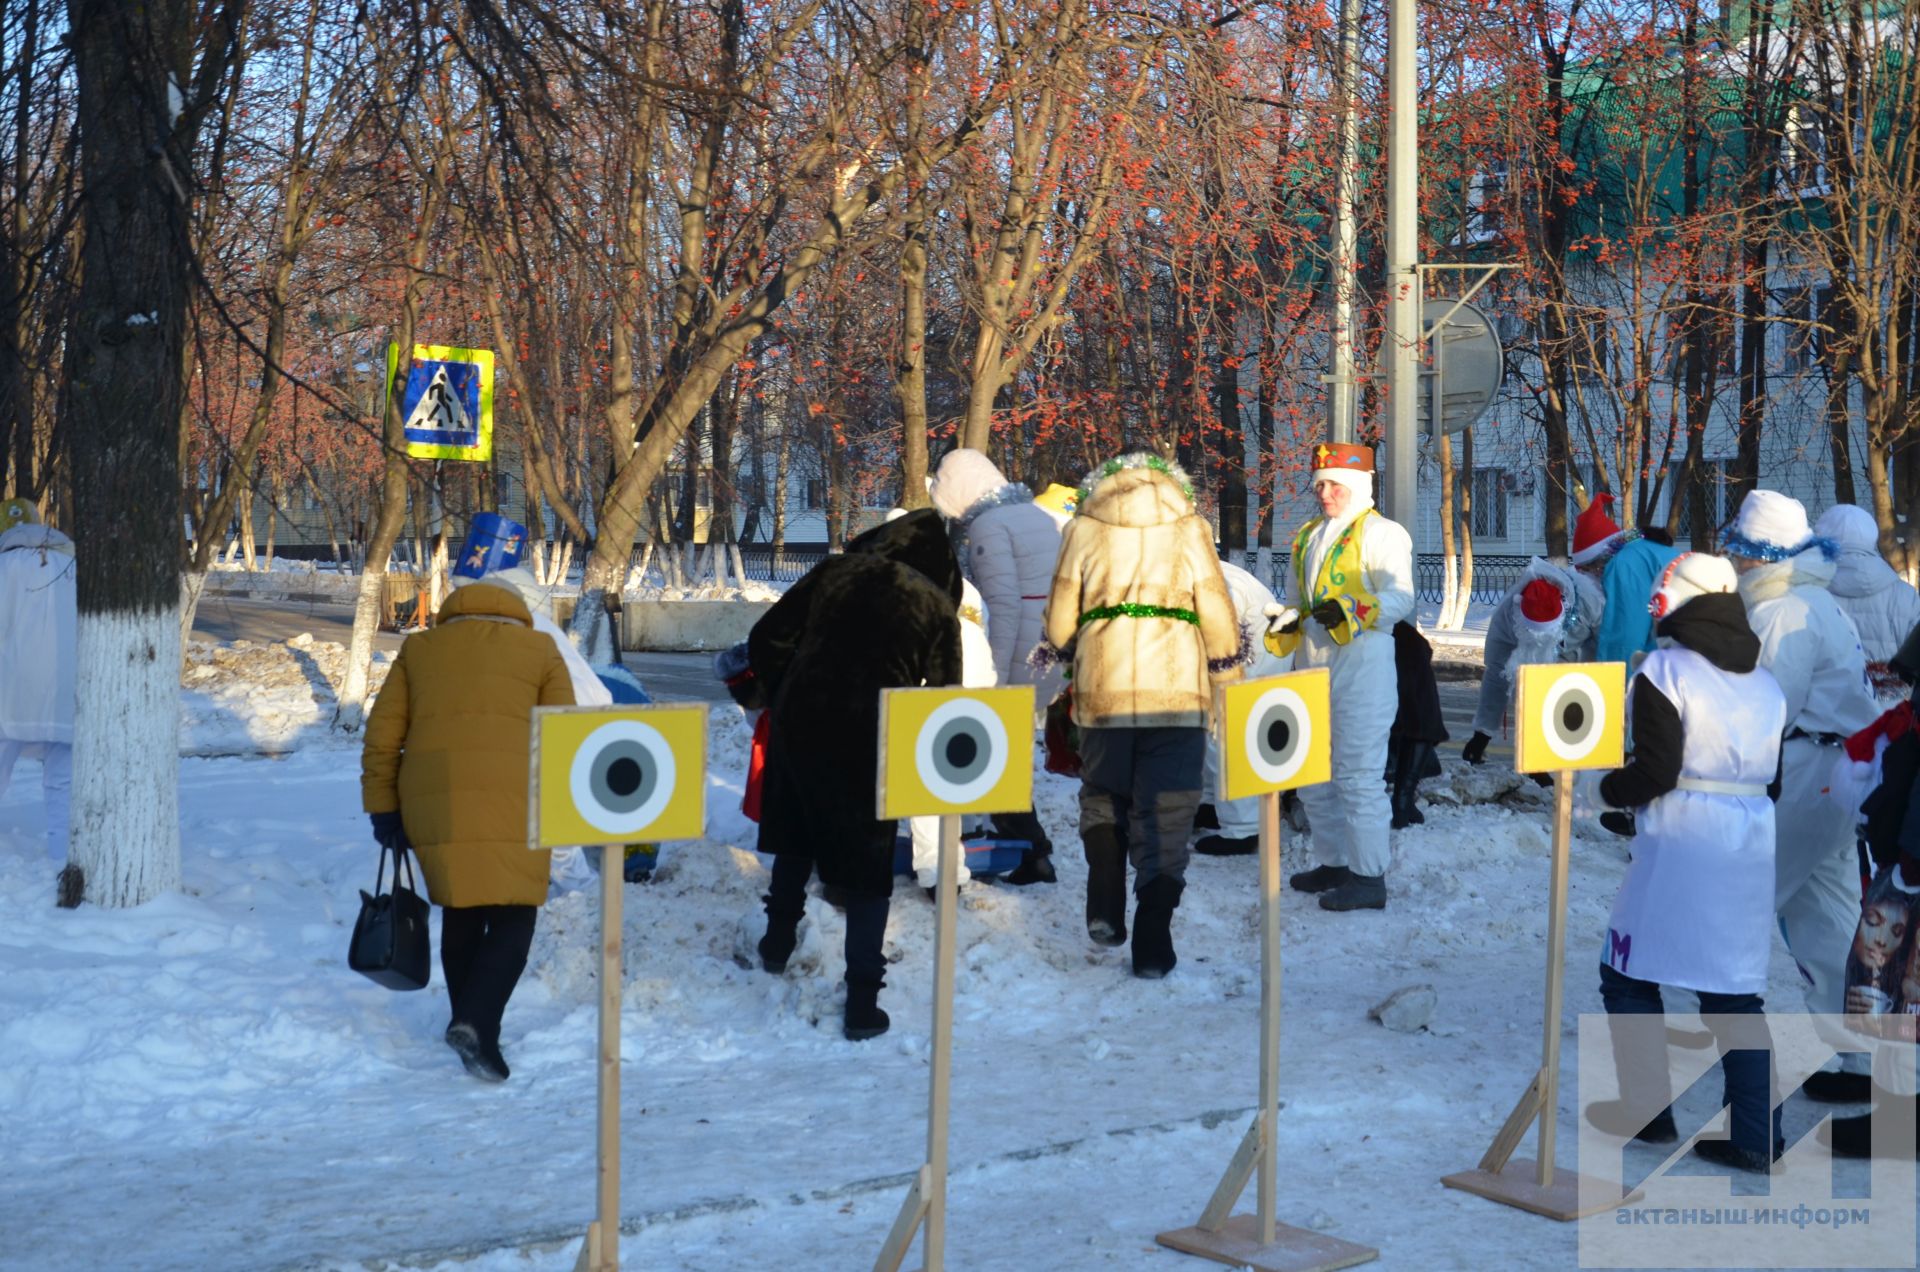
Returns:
point(202, 1084)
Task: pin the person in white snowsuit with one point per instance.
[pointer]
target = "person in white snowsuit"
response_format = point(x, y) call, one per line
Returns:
point(1695, 910)
point(1883, 606)
point(1238, 820)
point(1351, 580)
point(1551, 615)
point(38, 652)
point(1008, 547)
point(977, 671)
point(1810, 646)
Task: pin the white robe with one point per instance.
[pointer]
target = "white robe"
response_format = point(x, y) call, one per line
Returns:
point(1696, 908)
point(979, 669)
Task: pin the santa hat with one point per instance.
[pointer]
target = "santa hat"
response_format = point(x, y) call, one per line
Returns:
point(1595, 534)
point(1349, 465)
point(1689, 575)
point(1541, 606)
point(1771, 527)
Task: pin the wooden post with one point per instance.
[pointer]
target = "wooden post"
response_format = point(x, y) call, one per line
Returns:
point(1544, 1189)
point(1259, 1240)
point(1556, 973)
point(925, 1207)
point(607, 1223)
point(1270, 846)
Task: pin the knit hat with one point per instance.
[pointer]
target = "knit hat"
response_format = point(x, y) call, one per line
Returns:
point(1595, 534)
point(1849, 526)
point(1541, 605)
point(1689, 575)
point(1771, 527)
point(1349, 465)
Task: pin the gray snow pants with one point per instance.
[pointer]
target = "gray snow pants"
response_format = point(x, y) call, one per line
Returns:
point(1142, 786)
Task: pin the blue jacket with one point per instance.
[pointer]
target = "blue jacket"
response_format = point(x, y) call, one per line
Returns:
point(1626, 628)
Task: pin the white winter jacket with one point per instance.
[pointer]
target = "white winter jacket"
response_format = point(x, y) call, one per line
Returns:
point(1809, 645)
point(1009, 546)
point(1883, 606)
point(38, 637)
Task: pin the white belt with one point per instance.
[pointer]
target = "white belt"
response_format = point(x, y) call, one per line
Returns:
point(1706, 787)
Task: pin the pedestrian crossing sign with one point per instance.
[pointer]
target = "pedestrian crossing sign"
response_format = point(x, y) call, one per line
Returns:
point(446, 400)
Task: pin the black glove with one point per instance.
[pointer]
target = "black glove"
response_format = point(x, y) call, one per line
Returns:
point(1475, 751)
point(1329, 614)
point(1618, 821)
point(389, 832)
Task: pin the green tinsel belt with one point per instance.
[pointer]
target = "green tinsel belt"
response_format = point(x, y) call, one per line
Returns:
point(1139, 611)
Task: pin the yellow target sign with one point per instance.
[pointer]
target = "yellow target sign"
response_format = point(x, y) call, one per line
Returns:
point(1572, 716)
point(604, 775)
point(947, 751)
point(1274, 734)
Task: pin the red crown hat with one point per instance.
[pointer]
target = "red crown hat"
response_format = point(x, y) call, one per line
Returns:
point(1595, 533)
point(1342, 457)
point(1541, 604)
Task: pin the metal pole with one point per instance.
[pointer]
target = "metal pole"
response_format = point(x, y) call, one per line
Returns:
point(1340, 387)
point(1401, 348)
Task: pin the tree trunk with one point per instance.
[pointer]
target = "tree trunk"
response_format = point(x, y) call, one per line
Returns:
point(1464, 505)
point(910, 374)
point(1450, 604)
point(124, 395)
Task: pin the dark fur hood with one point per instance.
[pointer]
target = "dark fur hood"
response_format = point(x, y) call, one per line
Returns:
point(919, 541)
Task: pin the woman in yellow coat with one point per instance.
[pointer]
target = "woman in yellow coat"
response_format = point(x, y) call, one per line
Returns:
point(444, 769)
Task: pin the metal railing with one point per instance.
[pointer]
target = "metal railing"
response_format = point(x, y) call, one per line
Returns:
point(1493, 575)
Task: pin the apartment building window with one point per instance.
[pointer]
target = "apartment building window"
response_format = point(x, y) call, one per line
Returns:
point(816, 492)
point(1798, 316)
point(1486, 203)
point(1489, 517)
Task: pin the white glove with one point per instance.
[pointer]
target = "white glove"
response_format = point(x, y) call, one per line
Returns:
point(1280, 617)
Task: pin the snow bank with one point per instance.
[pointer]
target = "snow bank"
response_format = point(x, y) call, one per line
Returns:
point(208, 1065)
point(254, 698)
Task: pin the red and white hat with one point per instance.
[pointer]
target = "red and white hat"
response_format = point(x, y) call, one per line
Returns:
point(1689, 575)
point(1541, 606)
point(1595, 534)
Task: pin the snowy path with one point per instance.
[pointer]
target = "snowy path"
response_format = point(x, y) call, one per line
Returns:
point(202, 1084)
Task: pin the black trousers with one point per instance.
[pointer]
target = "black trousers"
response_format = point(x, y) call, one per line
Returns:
point(866, 918)
point(483, 950)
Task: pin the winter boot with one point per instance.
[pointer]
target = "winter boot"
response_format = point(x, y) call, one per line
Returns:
point(1828, 1087)
point(1853, 1136)
point(1153, 955)
point(1359, 892)
point(1319, 879)
point(783, 922)
point(866, 967)
point(1106, 885)
point(1227, 846)
point(1413, 759)
point(1728, 1153)
point(1612, 1117)
point(864, 1018)
point(483, 1061)
point(1206, 817)
point(1036, 866)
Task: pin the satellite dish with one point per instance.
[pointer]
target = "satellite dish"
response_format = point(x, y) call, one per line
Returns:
point(1466, 365)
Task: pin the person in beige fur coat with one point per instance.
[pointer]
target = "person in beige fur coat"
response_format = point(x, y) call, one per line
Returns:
point(1139, 599)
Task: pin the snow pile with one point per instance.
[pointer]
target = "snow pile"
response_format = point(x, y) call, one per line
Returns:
point(750, 590)
point(207, 1059)
point(252, 698)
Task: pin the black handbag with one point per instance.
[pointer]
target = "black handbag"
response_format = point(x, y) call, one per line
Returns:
point(390, 945)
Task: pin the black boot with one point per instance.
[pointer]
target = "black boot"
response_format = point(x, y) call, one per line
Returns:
point(866, 967)
point(1153, 955)
point(1036, 863)
point(1412, 761)
point(1853, 1136)
point(1838, 1088)
point(1106, 885)
point(1227, 846)
point(1206, 817)
point(783, 922)
point(1319, 879)
point(1035, 867)
point(1359, 892)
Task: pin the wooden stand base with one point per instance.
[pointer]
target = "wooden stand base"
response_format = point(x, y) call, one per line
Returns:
point(1293, 1249)
point(1519, 1185)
